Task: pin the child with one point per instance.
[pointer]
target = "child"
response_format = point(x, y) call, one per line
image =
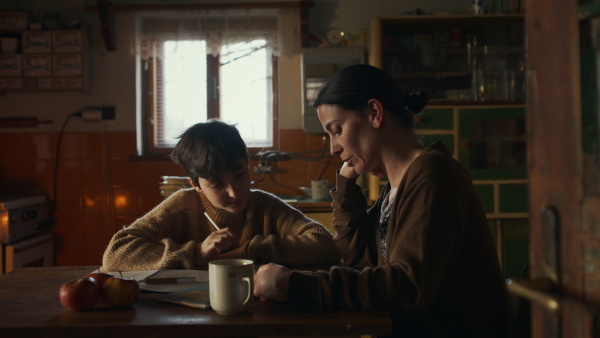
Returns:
point(252, 224)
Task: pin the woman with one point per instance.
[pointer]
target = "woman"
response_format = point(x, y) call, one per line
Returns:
point(424, 251)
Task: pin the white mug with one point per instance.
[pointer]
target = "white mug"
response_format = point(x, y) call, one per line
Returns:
point(319, 190)
point(231, 285)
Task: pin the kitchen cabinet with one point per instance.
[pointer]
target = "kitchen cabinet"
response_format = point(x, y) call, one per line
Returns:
point(492, 142)
point(458, 58)
point(45, 60)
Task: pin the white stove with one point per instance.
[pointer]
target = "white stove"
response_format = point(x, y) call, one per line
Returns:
point(22, 217)
point(26, 237)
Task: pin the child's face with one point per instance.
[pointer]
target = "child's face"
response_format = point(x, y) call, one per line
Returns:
point(230, 191)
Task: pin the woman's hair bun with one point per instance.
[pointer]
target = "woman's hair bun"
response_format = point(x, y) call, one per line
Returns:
point(415, 102)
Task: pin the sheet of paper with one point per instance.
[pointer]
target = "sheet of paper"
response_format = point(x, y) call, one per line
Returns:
point(197, 297)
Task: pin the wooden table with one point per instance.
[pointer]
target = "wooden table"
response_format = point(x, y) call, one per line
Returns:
point(29, 307)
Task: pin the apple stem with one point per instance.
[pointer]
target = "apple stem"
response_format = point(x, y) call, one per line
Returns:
point(120, 273)
point(98, 267)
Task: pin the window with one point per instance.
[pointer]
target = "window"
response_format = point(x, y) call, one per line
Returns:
point(202, 65)
point(191, 86)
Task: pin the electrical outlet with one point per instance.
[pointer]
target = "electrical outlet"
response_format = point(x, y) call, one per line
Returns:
point(108, 113)
point(92, 114)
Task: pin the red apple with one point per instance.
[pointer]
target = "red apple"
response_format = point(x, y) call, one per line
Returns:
point(121, 291)
point(100, 278)
point(79, 294)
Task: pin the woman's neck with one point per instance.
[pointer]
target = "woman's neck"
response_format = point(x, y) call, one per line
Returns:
point(398, 157)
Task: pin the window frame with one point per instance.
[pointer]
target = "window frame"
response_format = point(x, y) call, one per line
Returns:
point(151, 84)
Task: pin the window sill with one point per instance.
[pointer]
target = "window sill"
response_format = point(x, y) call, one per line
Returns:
point(165, 157)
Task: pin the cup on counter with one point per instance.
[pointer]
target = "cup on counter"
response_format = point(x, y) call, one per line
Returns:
point(319, 190)
point(231, 285)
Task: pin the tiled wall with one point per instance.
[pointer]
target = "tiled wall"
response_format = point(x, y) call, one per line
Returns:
point(95, 168)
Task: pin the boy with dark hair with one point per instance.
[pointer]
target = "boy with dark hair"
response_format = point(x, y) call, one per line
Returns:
point(252, 223)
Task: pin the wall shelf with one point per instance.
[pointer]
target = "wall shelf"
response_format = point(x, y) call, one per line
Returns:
point(48, 60)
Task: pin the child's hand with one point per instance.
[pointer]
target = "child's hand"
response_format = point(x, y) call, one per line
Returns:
point(217, 242)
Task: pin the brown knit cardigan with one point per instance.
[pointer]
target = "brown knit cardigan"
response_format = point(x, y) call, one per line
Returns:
point(440, 276)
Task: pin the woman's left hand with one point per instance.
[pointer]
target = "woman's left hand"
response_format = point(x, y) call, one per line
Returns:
point(271, 283)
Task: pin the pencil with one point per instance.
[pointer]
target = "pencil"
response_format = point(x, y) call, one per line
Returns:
point(213, 222)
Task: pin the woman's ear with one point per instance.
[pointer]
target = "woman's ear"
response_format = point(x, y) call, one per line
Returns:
point(375, 110)
point(194, 184)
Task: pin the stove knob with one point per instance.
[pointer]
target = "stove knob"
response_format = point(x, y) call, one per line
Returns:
point(42, 225)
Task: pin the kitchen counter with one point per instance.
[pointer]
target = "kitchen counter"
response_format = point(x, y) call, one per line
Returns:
point(309, 205)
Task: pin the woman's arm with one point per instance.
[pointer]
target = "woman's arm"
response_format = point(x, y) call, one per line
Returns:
point(355, 225)
point(423, 239)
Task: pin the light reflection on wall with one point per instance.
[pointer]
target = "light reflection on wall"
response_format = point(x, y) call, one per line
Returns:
point(89, 202)
point(121, 201)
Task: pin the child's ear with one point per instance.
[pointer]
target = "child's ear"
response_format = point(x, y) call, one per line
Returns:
point(193, 184)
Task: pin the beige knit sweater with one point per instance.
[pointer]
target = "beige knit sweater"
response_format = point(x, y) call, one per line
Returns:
point(268, 231)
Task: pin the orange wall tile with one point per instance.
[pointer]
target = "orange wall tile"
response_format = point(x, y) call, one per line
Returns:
point(122, 144)
point(16, 149)
point(96, 230)
point(68, 254)
point(94, 146)
point(123, 173)
point(94, 201)
point(69, 229)
point(94, 173)
point(69, 174)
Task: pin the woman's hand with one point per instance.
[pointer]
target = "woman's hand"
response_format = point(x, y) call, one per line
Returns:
point(218, 242)
point(271, 283)
point(348, 171)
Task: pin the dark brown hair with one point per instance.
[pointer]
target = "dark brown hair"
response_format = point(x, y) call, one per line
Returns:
point(206, 149)
point(353, 86)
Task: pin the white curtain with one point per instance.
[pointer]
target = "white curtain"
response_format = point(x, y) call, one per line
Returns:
point(280, 28)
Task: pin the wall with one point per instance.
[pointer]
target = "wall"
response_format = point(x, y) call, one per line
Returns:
point(96, 163)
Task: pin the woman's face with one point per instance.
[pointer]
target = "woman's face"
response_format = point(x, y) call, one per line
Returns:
point(229, 192)
point(352, 137)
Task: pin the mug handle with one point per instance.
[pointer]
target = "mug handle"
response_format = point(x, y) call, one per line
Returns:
point(248, 297)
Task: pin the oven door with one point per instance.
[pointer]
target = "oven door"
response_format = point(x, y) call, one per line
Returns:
point(36, 251)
